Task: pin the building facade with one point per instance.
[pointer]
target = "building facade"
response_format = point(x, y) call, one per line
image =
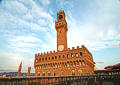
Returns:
point(66, 61)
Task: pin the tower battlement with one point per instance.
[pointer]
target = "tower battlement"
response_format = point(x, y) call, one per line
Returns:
point(44, 54)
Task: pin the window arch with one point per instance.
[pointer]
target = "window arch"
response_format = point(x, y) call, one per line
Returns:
point(54, 74)
point(73, 72)
point(49, 74)
point(62, 73)
point(67, 55)
point(79, 72)
point(36, 60)
point(43, 73)
point(38, 74)
point(71, 54)
point(76, 54)
point(81, 53)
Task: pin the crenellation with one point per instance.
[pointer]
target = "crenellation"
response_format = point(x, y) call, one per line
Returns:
point(51, 52)
point(38, 54)
point(47, 53)
point(78, 47)
point(73, 48)
point(54, 51)
point(41, 53)
point(68, 48)
point(44, 53)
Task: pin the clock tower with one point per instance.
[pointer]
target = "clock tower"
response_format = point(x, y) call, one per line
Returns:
point(61, 28)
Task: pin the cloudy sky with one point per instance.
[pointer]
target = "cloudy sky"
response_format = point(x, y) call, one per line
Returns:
point(28, 27)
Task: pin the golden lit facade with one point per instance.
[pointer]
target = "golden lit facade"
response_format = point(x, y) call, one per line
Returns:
point(65, 61)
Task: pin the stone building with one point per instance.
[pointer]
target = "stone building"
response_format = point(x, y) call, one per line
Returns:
point(66, 61)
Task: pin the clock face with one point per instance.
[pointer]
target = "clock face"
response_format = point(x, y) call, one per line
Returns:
point(60, 16)
point(61, 47)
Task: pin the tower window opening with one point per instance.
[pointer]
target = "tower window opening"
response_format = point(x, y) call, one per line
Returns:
point(52, 57)
point(49, 58)
point(43, 73)
point(36, 60)
point(38, 74)
point(76, 54)
point(73, 72)
point(54, 74)
point(71, 54)
point(81, 53)
point(43, 59)
point(63, 56)
point(55, 57)
point(46, 58)
point(67, 55)
point(49, 74)
point(62, 73)
point(59, 57)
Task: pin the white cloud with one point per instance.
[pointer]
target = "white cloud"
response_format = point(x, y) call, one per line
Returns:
point(45, 2)
point(97, 32)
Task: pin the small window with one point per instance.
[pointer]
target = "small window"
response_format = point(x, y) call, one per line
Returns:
point(79, 72)
point(52, 57)
point(81, 54)
point(46, 58)
point(71, 54)
point(43, 73)
point(39, 59)
point(62, 73)
point(67, 55)
point(38, 74)
point(55, 57)
point(54, 74)
point(43, 59)
point(36, 60)
point(73, 72)
point(59, 57)
point(49, 58)
point(49, 74)
point(63, 56)
point(76, 54)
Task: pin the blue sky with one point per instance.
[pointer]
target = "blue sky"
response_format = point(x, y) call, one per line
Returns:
point(28, 27)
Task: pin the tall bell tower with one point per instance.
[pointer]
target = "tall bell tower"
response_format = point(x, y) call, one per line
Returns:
point(61, 28)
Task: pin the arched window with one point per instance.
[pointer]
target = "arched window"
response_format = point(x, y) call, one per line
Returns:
point(54, 74)
point(79, 72)
point(59, 56)
point(46, 58)
point(63, 56)
point(55, 57)
point(77, 62)
point(52, 58)
point(80, 63)
point(39, 59)
point(49, 58)
point(81, 54)
point(83, 62)
point(73, 72)
point(36, 60)
point(62, 73)
point(49, 74)
point(68, 64)
point(67, 55)
point(38, 74)
point(74, 63)
point(43, 59)
point(43, 73)
point(76, 54)
point(71, 54)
